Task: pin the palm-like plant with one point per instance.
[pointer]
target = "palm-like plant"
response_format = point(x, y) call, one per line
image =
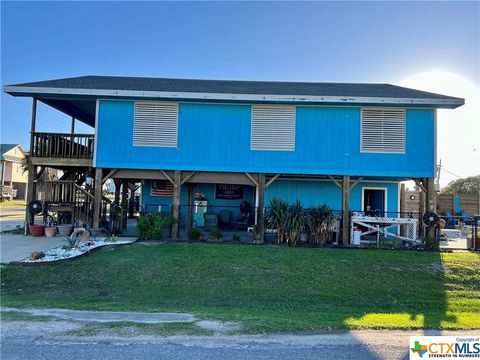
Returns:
point(320, 224)
point(296, 221)
point(276, 216)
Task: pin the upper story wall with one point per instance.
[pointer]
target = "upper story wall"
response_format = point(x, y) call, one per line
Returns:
point(216, 137)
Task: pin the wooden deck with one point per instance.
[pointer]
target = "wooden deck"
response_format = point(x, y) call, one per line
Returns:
point(62, 149)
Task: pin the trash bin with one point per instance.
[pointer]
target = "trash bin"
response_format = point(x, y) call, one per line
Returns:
point(357, 233)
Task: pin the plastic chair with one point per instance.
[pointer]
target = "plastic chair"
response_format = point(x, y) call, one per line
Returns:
point(210, 221)
point(225, 218)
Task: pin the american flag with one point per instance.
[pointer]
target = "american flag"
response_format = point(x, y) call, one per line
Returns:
point(161, 188)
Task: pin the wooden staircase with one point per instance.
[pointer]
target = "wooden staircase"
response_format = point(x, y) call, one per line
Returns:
point(71, 202)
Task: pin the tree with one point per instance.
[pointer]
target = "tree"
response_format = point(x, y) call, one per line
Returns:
point(469, 185)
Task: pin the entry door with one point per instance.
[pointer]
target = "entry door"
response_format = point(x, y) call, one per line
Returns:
point(374, 202)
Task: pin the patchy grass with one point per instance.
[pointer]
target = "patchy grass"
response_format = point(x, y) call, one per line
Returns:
point(12, 204)
point(136, 329)
point(23, 316)
point(265, 288)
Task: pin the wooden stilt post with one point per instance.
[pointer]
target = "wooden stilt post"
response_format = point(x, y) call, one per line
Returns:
point(32, 128)
point(97, 197)
point(124, 203)
point(31, 168)
point(188, 215)
point(431, 201)
point(261, 207)
point(118, 185)
point(177, 186)
point(31, 193)
point(346, 210)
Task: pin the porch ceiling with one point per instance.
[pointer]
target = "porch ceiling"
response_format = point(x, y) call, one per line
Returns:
point(83, 110)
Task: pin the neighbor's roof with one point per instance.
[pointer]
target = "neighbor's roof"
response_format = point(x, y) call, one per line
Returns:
point(6, 148)
point(225, 90)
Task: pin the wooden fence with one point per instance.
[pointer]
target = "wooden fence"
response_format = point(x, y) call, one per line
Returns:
point(414, 201)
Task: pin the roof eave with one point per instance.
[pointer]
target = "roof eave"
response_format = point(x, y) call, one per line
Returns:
point(449, 103)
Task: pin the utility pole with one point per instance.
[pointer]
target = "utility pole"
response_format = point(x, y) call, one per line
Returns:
point(437, 179)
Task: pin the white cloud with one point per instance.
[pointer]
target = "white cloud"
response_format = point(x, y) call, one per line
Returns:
point(458, 130)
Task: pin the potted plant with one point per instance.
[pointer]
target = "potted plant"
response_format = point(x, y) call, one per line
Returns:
point(50, 230)
point(50, 227)
point(37, 229)
point(65, 229)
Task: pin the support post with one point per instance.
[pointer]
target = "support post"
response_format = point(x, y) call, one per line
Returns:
point(32, 127)
point(431, 199)
point(346, 210)
point(261, 207)
point(97, 197)
point(30, 194)
point(188, 215)
point(124, 203)
point(118, 185)
point(177, 185)
point(131, 203)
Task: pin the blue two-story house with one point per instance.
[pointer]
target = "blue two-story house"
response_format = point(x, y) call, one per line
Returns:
point(228, 143)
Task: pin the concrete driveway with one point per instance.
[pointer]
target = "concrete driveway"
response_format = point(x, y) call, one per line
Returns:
point(18, 247)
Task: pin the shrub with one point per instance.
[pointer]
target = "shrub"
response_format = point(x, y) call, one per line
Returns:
point(275, 217)
point(152, 225)
point(215, 235)
point(296, 221)
point(235, 237)
point(194, 234)
point(320, 224)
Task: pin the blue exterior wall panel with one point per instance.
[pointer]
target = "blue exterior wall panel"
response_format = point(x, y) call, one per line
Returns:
point(213, 137)
point(313, 193)
point(151, 203)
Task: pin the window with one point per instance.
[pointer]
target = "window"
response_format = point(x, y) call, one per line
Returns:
point(155, 124)
point(383, 131)
point(273, 127)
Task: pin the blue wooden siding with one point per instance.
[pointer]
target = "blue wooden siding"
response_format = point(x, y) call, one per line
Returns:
point(217, 138)
point(312, 193)
point(152, 202)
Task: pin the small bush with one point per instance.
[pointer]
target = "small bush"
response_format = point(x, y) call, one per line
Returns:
point(194, 234)
point(152, 225)
point(215, 235)
point(235, 237)
point(111, 239)
point(19, 230)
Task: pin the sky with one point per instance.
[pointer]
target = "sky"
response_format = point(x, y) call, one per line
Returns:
point(433, 46)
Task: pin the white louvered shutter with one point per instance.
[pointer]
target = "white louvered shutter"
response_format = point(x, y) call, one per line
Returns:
point(383, 131)
point(273, 127)
point(155, 124)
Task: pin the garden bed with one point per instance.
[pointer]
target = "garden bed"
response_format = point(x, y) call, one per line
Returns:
point(64, 253)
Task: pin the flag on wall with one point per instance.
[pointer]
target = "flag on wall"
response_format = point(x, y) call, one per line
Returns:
point(161, 188)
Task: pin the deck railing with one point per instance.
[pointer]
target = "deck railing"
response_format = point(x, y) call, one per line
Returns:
point(58, 145)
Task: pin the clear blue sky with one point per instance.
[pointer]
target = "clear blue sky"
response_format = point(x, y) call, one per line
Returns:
point(349, 42)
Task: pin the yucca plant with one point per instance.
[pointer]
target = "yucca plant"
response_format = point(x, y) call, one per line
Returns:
point(320, 224)
point(276, 217)
point(296, 221)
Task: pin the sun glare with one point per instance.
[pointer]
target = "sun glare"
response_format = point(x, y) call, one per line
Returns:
point(458, 139)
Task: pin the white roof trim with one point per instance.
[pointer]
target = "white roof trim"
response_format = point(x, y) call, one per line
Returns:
point(238, 97)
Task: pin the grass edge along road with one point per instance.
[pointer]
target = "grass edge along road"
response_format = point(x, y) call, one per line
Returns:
point(265, 288)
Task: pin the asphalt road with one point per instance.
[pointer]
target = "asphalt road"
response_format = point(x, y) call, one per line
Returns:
point(37, 348)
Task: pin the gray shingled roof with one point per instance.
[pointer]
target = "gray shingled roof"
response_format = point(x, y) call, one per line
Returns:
point(237, 87)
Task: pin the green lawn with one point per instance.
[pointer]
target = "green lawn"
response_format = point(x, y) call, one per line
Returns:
point(12, 204)
point(266, 288)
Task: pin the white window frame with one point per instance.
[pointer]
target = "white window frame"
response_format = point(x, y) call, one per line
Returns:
point(273, 148)
point(383, 151)
point(173, 145)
